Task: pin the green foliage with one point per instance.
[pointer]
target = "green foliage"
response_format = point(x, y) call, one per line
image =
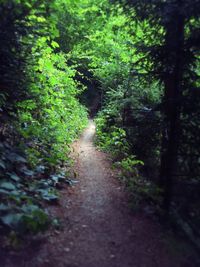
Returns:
point(141, 190)
point(50, 51)
point(40, 113)
point(29, 218)
point(111, 139)
point(133, 65)
point(23, 191)
point(129, 165)
point(54, 116)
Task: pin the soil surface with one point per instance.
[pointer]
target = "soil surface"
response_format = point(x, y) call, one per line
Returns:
point(99, 228)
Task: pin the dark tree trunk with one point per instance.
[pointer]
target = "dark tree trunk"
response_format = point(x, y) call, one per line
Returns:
point(172, 78)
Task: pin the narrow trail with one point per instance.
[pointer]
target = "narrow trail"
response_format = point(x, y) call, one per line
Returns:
point(99, 229)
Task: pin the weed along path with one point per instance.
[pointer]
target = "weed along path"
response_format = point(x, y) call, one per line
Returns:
point(99, 229)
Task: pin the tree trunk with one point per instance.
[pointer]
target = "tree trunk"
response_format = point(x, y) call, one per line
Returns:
point(173, 76)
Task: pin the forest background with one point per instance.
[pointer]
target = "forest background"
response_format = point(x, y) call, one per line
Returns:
point(137, 64)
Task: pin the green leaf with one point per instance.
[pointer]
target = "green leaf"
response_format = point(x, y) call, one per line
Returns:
point(8, 186)
point(4, 192)
point(48, 195)
point(11, 220)
point(54, 44)
point(40, 169)
point(14, 157)
point(4, 207)
point(2, 164)
point(29, 208)
point(28, 172)
point(37, 221)
point(14, 177)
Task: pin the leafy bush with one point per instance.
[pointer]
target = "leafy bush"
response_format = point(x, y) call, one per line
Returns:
point(40, 114)
point(112, 139)
point(23, 191)
point(141, 189)
point(129, 165)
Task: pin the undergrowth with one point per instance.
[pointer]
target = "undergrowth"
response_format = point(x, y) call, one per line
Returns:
point(113, 140)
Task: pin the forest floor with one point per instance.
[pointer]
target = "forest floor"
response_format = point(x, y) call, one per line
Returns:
point(98, 227)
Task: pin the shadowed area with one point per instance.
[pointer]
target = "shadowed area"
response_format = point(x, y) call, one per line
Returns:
point(99, 229)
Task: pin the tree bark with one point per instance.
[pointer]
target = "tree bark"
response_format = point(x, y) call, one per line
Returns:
point(173, 77)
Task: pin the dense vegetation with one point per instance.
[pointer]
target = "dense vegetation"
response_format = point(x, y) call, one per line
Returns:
point(40, 113)
point(134, 61)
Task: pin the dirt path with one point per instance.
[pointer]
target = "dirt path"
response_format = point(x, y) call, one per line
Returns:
point(99, 229)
